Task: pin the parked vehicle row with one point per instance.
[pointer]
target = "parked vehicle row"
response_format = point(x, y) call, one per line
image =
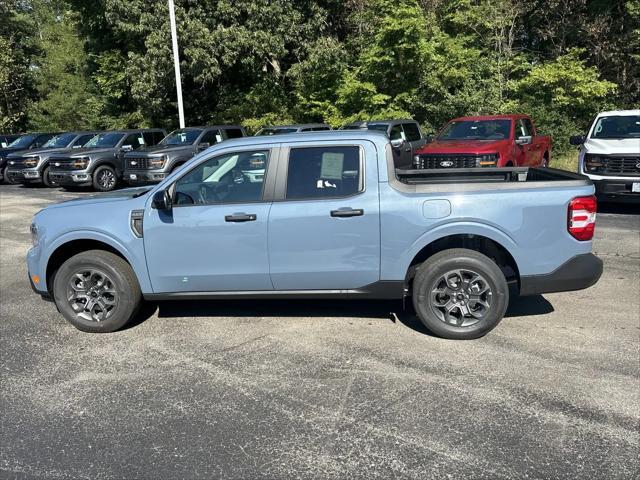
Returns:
point(327, 215)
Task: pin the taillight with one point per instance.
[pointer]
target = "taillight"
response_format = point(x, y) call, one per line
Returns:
point(582, 217)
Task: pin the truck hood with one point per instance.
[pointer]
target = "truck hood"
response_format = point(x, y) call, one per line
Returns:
point(613, 146)
point(159, 149)
point(116, 196)
point(464, 146)
point(82, 152)
point(37, 151)
point(6, 151)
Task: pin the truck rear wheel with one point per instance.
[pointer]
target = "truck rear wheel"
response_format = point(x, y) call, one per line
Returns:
point(460, 294)
point(96, 291)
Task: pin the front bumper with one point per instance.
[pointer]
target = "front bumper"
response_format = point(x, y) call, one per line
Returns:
point(136, 177)
point(76, 178)
point(37, 271)
point(24, 176)
point(618, 190)
point(580, 272)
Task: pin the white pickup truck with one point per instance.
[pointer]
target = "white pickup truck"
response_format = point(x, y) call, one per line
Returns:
point(610, 155)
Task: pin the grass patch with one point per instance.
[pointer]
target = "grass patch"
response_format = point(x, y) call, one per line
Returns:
point(565, 161)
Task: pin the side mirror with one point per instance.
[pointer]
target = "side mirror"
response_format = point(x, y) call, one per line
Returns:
point(127, 148)
point(203, 146)
point(162, 200)
point(526, 140)
point(576, 140)
point(397, 143)
point(428, 139)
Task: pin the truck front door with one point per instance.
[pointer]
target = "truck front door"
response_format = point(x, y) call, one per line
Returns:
point(324, 226)
point(215, 236)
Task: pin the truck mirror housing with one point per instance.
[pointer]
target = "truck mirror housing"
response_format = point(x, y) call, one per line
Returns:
point(576, 140)
point(203, 145)
point(428, 139)
point(397, 143)
point(162, 200)
point(525, 140)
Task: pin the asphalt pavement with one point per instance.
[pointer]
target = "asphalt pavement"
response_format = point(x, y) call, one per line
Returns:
point(321, 389)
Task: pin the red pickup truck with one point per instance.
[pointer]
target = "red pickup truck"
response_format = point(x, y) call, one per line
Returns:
point(486, 141)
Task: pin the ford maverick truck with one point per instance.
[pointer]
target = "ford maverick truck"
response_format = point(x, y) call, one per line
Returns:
point(610, 155)
point(100, 164)
point(152, 164)
point(32, 166)
point(321, 215)
point(489, 141)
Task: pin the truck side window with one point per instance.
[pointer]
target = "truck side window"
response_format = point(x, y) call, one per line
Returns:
point(396, 133)
point(411, 132)
point(136, 140)
point(323, 172)
point(210, 137)
point(232, 178)
point(522, 130)
point(234, 133)
point(529, 126)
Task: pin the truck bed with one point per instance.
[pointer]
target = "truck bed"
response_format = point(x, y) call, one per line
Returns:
point(487, 175)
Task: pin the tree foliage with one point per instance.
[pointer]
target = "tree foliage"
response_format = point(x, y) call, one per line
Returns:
point(109, 63)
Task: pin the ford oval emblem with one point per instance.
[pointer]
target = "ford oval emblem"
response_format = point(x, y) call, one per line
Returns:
point(133, 162)
point(638, 165)
point(12, 162)
point(57, 164)
point(446, 163)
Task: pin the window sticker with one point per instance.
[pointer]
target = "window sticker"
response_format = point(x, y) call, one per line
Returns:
point(332, 164)
point(141, 140)
point(218, 138)
point(4, 144)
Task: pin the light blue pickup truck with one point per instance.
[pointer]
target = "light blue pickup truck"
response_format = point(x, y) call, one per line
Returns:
point(322, 215)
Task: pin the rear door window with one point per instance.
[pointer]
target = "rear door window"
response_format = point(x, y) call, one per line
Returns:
point(234, 133)
point(323, 172)
point(135, 140)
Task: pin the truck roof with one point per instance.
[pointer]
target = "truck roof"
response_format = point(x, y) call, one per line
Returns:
point(619, 112)
point(320, 136)
point(363, 123)
point(299, 125)
point(505, 116)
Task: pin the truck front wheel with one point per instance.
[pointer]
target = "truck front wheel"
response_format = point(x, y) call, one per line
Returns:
point(105, 179)
point(96, 291)
point(460, 294)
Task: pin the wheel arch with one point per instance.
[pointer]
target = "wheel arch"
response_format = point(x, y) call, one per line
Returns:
point(70, 246)
point(491, 247)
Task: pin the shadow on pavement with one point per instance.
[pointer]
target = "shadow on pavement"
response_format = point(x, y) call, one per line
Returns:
point(388, 310)
point(619, 208)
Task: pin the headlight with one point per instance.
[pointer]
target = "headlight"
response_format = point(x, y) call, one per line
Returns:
point(156, 162)
point(31, 161)
point(34, 234)
point(80, 163)
point(594, 163)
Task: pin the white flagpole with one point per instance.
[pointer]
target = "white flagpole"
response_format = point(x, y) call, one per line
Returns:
point(176, 61)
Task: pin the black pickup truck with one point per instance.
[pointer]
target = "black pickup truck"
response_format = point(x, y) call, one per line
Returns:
point(150, 165)
point(405, 135)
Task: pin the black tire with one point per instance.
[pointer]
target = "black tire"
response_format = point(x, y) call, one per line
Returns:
point(46, 181)
point(105, 178)
point(117, 276)
point(545, 161)
point(6, 178)
point(432, 297)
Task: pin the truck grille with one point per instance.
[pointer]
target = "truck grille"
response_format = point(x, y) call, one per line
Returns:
point(621, 165)
point(429, 161)
point(62, 164)
point(135, 163)
point(16, 164)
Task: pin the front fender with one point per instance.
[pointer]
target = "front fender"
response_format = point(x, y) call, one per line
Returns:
point(134, 256)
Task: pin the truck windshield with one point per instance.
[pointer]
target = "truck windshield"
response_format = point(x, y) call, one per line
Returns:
point(23, 141)
point(184, 136)
point(60, 141)
point(104, 140)
point(616, 127)
point(476, 130)
point(275, 131)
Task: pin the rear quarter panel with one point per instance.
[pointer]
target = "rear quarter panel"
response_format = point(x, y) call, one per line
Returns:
point(530, 223)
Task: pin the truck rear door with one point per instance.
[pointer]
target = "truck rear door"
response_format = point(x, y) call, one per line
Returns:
point(324, 226)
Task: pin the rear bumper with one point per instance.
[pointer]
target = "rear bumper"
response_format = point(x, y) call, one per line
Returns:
point(618, 190)
point(580, 272)
point(79, 178)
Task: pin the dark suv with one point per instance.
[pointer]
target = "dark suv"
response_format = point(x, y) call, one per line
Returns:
point(101, 162)
point(150, 165)
point(32, 166)
point(297, 128)
point(24, 142)
point(405, 135)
